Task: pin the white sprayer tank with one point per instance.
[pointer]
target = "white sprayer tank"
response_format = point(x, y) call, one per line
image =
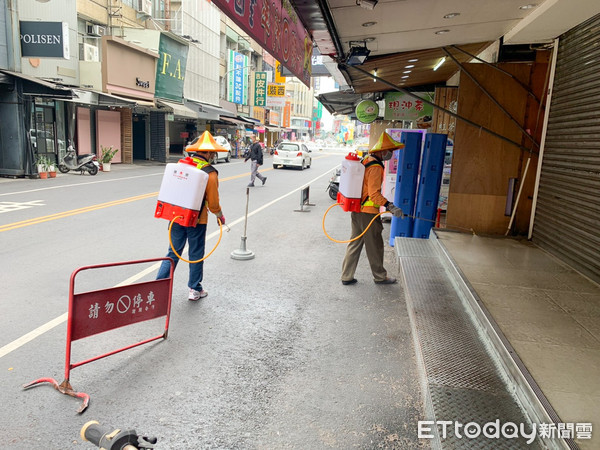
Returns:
point(351, 182)
point(181, 192)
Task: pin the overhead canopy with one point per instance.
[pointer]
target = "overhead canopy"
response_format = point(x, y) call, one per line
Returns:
point(93, 97)
point(138, 101)
point(400, 34)
point(178, 109)
point(210, 112)
point(393, 68)
point(38, 87)
point(236, 120)
point(341, 102)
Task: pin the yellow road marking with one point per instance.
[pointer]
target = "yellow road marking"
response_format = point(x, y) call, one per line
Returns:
point(73, 212)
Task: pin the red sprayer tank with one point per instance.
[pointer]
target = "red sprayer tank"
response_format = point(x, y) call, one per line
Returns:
point(351, 181)
point(181, 192)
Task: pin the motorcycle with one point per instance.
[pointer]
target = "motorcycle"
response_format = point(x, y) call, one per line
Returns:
point(334, 184)
point(73, 161)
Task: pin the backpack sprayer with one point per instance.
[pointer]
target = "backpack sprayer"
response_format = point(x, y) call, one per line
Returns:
point(181, 194)
point(352, 174)
point(349, 196)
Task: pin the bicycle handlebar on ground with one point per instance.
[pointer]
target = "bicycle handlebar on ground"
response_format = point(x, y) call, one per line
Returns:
point(116, 439)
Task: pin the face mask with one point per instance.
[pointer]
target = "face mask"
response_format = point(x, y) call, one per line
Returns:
point(386, 156)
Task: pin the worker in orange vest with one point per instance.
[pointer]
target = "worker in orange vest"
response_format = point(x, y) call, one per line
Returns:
point(371, 200)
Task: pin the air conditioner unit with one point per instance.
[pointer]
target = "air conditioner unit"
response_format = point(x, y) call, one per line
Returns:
point(145, 6)
point(95, 30)
point(90, 53)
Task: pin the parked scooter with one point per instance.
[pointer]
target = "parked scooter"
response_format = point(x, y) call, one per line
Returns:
point(334, 184)
point(73, 161)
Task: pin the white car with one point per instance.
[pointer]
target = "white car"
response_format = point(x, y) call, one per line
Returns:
point(218, 156)
point(292, 154)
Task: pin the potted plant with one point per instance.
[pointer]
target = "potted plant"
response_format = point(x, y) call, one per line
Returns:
point(51, 169)
point(108, 153)
point(42, 164)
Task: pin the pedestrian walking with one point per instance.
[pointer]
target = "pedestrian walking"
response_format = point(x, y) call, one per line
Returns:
point(256, 158)
point(371, 200)
point(201, 152)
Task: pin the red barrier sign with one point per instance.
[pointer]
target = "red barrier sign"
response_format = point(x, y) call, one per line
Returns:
point(95, 312)
point(99, 311)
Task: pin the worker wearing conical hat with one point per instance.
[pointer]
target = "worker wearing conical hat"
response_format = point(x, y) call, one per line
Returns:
point(201, 151)
point(371, 200)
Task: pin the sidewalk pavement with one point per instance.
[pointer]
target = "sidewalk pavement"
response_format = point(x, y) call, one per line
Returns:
point(549, 313)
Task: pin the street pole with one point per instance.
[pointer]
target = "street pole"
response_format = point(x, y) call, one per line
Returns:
point(242, 253)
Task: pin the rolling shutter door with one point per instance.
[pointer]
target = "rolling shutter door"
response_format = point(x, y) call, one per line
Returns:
point(567, 220)
point(158, 133)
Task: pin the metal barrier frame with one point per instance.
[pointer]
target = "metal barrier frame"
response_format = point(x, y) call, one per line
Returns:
point(76, 331)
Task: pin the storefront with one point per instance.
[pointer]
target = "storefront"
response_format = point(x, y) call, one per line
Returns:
point(567, 210)
point(129, 73)
point(33, 122)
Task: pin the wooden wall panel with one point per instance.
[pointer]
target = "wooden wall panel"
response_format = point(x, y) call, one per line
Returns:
point(443, 123)
point(483, 164)
point(126, 136)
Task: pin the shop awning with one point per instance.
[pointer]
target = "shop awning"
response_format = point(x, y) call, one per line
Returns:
point(93, 97)
point(236, 121)
point(138, 101)
point(212, 112)
point(274, 129)
point(39, 87)
point(179, 109)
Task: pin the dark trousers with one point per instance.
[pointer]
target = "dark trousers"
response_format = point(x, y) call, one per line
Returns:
point(196, 239)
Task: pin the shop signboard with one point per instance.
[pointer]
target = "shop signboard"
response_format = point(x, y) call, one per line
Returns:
point(287, 115)
point(170, 69)
point(237, 73)
point(45, 39)
point(401, 106)
point(260, 89)
point(277, 28)
point(367, 111)
point(275, 95)
point(258, 113)
point(274, 118)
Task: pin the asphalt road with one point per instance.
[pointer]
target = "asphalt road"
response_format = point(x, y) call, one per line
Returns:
point(279, 355)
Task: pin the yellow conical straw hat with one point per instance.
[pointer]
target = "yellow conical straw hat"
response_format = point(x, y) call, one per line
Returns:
point(206, 143)
point(385, 142)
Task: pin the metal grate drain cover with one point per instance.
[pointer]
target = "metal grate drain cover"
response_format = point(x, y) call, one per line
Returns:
point(464, 382)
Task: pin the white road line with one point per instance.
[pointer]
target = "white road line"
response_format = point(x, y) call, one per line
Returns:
point(32, 335)
point(83, 184)
point(14, 345)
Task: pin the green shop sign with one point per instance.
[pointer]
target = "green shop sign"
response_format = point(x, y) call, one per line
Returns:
point(400, 106)
point(260, 89)
point(367, 111)
point(170, 70)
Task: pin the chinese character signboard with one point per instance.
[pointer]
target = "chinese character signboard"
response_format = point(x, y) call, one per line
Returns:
point(237, 69)
point(277, 28)
point(99, 311)
point(275, 95)
point(259, 113)
point(274, 118)
point(400, 106)
point(287, 115)
point(45, 39)
point(170, 69)
point(260, 89)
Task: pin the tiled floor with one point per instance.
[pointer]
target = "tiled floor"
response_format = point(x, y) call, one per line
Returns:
point(549, 313)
